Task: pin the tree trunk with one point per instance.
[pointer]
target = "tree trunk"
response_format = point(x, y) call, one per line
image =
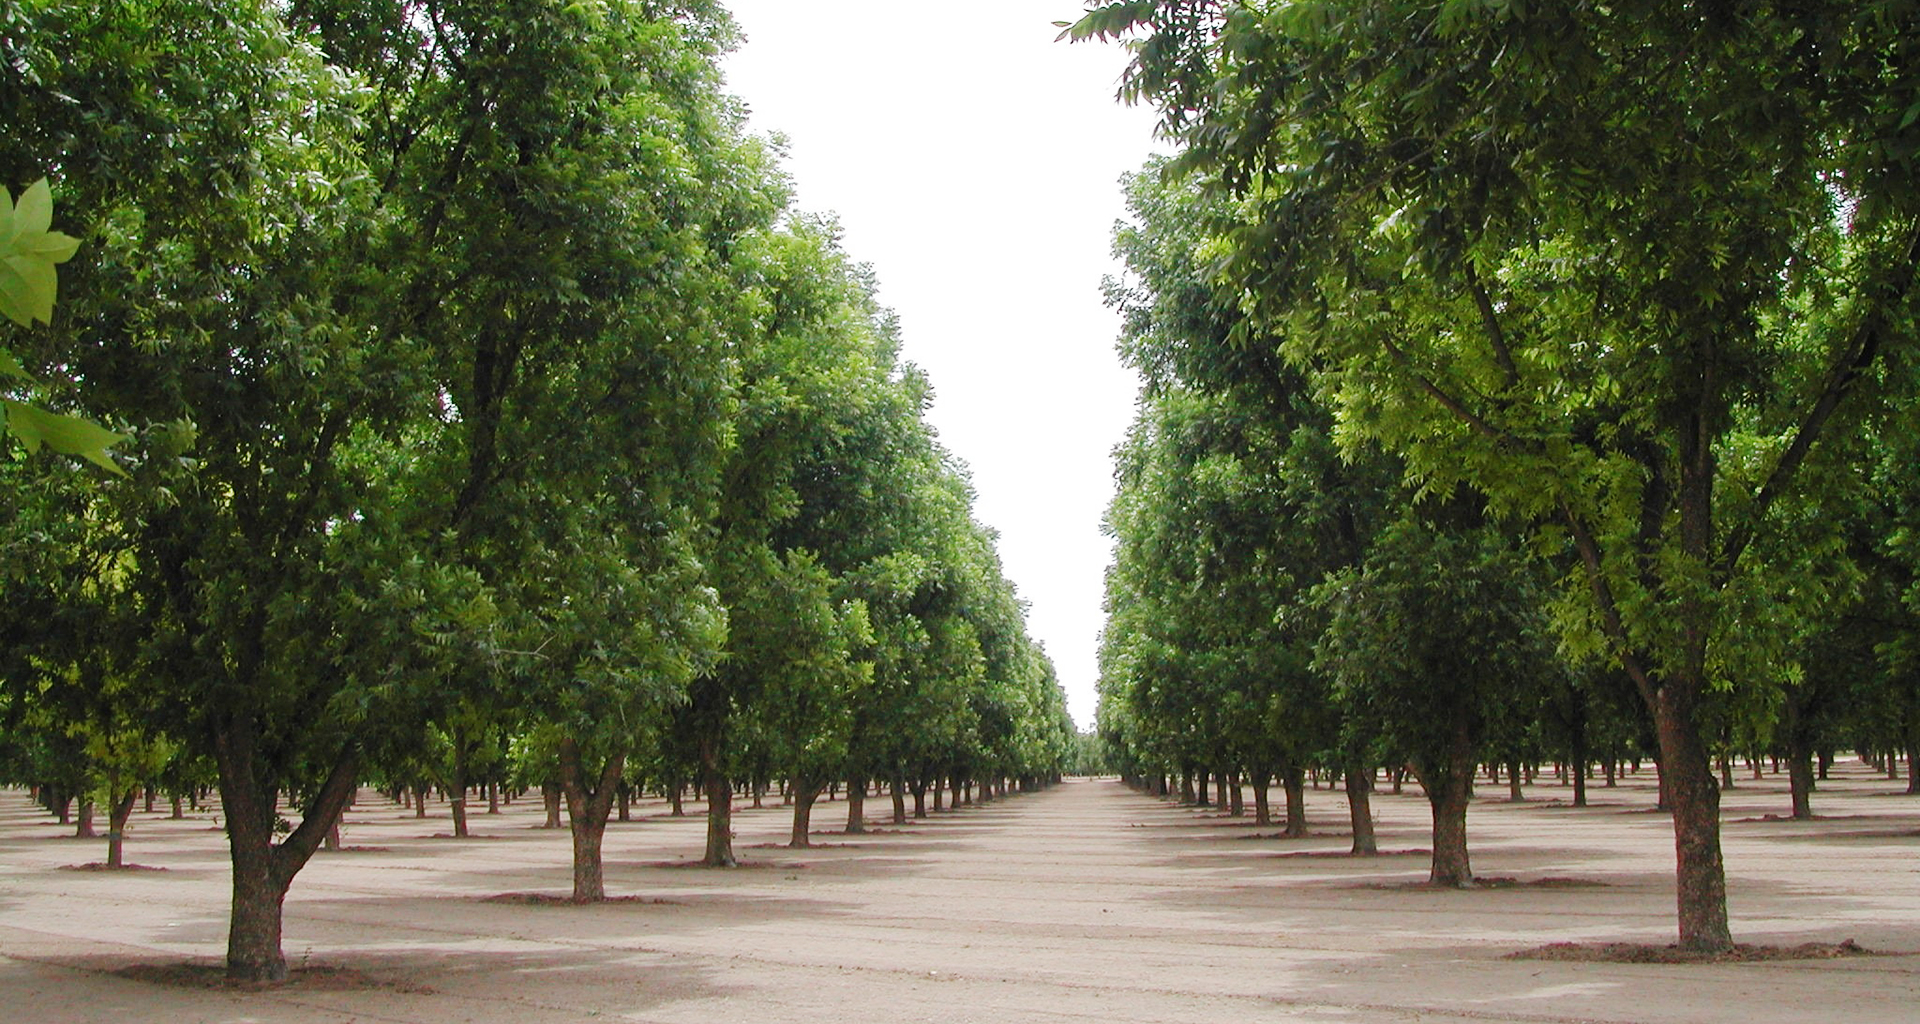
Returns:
point(1687, 778)
point(457, 791)
point(1200, 799)
point(805, 792)
point(899, 791)
point(1579, 766)
point(919, 789)
point(1514, 777)
point(262, 870)
point(493, 797)
point(1262, 811)
point(1236, 805)
point(1186, 789)
point(550, 796)
point(117, 816)
point(623, 800)
point(176, 812)
point(83, 829)
point(719, 808)
point(588, 805)
point(676, 803)
point(857, 805)
point(419, 801)
point(1360, 809)
point(151, 796)
point(1295, 780)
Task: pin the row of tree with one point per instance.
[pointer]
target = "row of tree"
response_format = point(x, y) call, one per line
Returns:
point(482, 393)
point(1522, 382)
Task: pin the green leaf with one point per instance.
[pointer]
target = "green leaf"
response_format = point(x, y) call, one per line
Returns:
point(10, 366)
point(68, 435)
point(28, 251)
point(33, 215)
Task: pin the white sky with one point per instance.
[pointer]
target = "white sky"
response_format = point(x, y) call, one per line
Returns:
point(974, 162)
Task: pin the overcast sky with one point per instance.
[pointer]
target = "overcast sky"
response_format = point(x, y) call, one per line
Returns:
point(974, 163)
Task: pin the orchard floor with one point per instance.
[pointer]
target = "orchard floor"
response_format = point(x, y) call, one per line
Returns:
point(1087, 902)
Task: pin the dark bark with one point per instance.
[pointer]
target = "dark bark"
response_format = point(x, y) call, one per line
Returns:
point(550, 796)
point(589, 802)
point(623, 801)
point(1514, 777)
point(83, 827)
point(263, 870)
point(919, 790)
point(1360, 809)
point(419, 801)
point(1448, 788)
point(898, 789)
point(857, 805)
point(1262, 811)
point(713, 779)
point(117, 816)
point(176, 812)
point(457, 785)
point(1200, 797)
point(1296, 786)
point(805, 792)
point(1235, 801)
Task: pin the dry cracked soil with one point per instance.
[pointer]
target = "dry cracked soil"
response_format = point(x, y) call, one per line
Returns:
point(1085, 902)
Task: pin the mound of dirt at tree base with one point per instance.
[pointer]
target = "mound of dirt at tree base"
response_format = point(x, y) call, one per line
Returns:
point(1639, 953)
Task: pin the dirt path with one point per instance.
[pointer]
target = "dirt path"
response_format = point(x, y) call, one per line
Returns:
point(1084, 903)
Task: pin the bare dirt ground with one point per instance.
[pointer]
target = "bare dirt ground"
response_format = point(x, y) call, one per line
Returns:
point(1085, 902)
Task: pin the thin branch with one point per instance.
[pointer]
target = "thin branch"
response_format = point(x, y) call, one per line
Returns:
point(1858, 357)
point(1497, 338)
point(1446, 400)
point(1616, 628)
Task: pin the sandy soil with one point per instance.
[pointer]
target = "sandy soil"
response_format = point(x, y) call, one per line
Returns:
point(1086, 902)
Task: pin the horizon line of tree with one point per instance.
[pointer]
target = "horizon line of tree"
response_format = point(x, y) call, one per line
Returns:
point(483, 399)
point(1521, 382)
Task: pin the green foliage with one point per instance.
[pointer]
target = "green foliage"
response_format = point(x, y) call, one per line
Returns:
point(29, 249)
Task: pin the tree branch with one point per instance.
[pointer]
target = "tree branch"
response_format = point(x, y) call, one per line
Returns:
point(1447, 401)
point(1616, 628)
point(1858, 357)
point(1496, 337)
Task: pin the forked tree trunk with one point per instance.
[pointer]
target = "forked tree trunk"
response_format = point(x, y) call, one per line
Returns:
point(263, 870)
point(117, 816)
point(1296, 786)
point(589, 802)
point(1360, 809)
point(857, 805)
